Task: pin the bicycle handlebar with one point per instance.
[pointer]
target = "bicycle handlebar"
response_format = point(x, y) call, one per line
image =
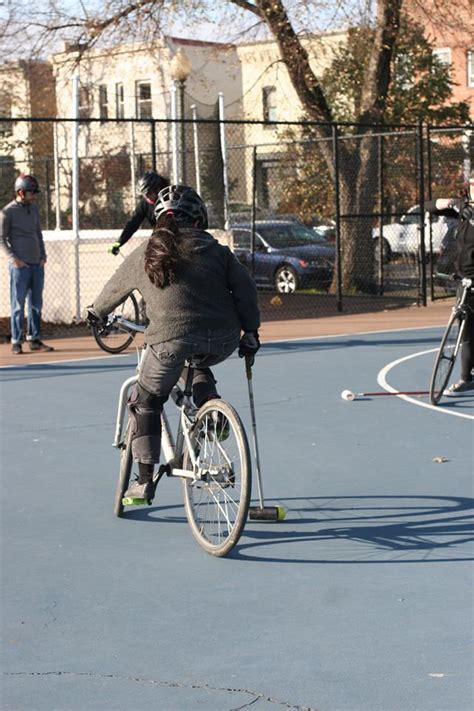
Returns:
point(127, 325)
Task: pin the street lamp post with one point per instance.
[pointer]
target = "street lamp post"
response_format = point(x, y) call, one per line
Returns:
point(180, 69)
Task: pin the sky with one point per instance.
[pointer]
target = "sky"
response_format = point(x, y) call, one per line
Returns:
point(23, 20)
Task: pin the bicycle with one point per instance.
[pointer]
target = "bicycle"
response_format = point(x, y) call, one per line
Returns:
point(450, 344)
point(109, 336)
point(210, 454)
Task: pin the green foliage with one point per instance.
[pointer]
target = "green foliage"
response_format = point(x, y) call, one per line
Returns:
point(420, 87)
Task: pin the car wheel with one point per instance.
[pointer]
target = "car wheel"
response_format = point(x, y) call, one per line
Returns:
point(387, 252)
point(286, 280)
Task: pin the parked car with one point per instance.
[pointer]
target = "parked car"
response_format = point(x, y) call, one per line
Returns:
point(325, 228)
point(404, 237)
point(288, 256)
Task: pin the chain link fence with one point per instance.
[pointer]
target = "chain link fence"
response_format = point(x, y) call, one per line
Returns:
point(328, 219)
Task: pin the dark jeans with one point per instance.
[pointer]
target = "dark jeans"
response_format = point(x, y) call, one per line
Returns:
point(161, 368)
point(26, 282)
point(467, 348)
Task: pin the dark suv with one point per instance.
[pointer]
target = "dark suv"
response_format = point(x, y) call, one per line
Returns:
point(288, 256)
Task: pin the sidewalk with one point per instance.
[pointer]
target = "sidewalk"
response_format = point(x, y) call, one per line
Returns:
point(435, 314)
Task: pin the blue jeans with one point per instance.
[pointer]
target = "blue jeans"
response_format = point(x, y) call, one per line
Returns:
point(26, 282)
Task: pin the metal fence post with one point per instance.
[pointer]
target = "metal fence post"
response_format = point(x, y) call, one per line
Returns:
point(335, 148)
point(153, 144)
point(429, 177)
point(75, 190)
point(224, 160)
point(381, 206)
point(133, 176)
point(174, 133)
point(197, 167)
point(57, 188)
point(421, 202)
point(254, 209)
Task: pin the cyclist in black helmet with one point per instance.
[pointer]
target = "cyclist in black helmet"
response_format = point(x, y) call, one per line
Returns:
point(148, 188)
point(200, 299)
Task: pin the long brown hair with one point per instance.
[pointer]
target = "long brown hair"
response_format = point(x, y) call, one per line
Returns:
point(166, 252)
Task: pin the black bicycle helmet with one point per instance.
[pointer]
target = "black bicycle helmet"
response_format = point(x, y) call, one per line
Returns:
point(151, 182)
point(183, 202)
point(27, 183)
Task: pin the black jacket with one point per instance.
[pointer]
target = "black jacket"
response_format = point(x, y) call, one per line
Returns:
point(464, 261)
point(143, 211)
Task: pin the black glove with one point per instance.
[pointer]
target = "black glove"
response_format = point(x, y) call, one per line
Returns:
point(114, 248)
point(249, 345)
point(92, 317)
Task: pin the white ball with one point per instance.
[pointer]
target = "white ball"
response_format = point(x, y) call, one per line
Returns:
point(347, 395)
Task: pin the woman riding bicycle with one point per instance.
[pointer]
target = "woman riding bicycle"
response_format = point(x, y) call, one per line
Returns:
point(464, 264)
point(199, 298)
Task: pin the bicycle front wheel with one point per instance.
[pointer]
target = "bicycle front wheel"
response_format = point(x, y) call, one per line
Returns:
point(126, 463)
point(446, 357)
point(110, 337)
point(217, 504)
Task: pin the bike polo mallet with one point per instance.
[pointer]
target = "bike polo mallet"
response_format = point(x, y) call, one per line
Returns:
point(261, 512)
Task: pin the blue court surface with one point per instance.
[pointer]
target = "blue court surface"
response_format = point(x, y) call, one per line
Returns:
point(361, 600)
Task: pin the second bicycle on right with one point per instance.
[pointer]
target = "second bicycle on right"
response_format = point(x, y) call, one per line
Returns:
point(450, 344)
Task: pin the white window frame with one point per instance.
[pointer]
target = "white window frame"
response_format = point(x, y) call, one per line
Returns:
point(103, 101)
point(470, 67)
point(119, 100)
point(268, 99)
point(85, 102)
point(140, 102)
point(443, 54)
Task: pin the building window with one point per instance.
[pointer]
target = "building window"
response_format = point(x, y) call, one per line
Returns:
point(84, 102)
point(143, 95)
point(6, 127)
point(443, 55)
point(119, 101)
point(470, 67)
point(269, 103)
point(103, 107)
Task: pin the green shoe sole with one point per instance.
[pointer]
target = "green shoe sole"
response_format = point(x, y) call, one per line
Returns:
point(128, 501)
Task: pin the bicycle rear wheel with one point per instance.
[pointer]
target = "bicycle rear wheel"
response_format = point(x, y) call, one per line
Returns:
point(126, 463)
point(111, 338)
point(217, 505)
point(446, 357)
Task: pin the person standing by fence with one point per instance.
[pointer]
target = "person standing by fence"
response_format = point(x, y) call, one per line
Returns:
point(21, 238)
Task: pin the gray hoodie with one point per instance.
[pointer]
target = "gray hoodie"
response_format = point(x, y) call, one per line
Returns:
point(20, 232)
point(214, 291)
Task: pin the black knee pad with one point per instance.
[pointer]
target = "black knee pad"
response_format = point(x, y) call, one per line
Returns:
point(145, 410)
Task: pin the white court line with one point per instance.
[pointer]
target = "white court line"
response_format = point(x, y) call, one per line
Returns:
point(381, 379)
point(281, 340)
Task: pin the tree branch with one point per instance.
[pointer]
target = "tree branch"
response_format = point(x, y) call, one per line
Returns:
point(378, 76)
point(247, 6)
point(296, 59)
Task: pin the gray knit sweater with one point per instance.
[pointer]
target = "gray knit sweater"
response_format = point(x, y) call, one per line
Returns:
point(213, 291)
point(20, 232)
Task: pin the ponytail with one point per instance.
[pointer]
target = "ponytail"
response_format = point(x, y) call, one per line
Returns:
point(165, 252)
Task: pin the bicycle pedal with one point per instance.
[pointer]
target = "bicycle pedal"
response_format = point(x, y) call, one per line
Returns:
point(131, 501)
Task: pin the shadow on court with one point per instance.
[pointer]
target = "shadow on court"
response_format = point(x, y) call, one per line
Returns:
point(384, 529)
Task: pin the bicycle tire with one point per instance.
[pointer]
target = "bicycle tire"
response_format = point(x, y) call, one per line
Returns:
point(217, 508)
point(446, 356)
point(126, 463)
point(130, 310)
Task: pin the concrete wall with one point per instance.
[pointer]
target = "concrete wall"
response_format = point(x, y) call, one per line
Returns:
point(96, 266)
